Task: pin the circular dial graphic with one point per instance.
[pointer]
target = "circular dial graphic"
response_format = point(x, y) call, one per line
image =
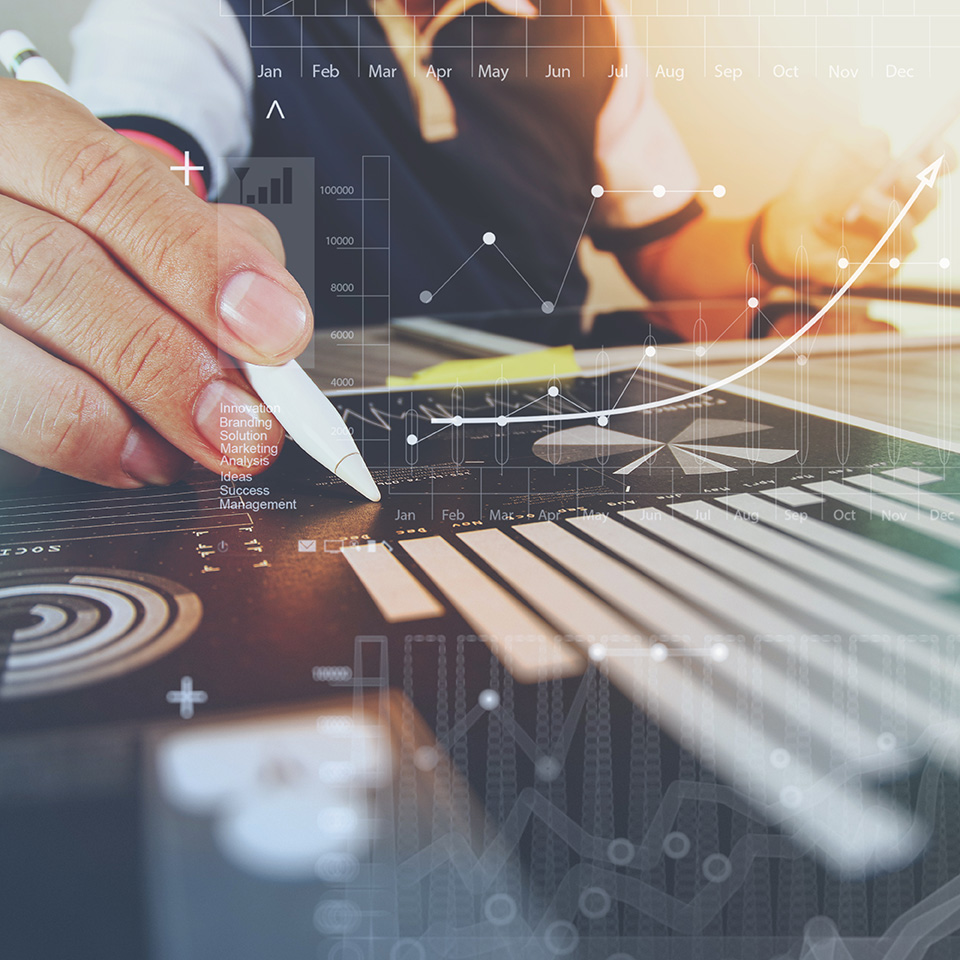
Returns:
point(63, 628)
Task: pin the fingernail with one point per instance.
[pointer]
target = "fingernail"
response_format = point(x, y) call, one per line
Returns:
point(237, 425)
point(148, 459)
point(262, 313)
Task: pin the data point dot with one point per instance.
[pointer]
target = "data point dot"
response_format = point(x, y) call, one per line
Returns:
point(894, 263)
point(701, 351)
point(659, 652)
point(676, 845)
point(650, 351)
point(425, 296)
point(843, 263)
point(596, 190)
point(500, 909)
point(602, 421)
point(791, 797)
point(886, 742)
point(753, 303)
point(426, 758)
point(489, 238)
point(780, 758)
point(621, 851)
point(547, 306)
point(719, 191)
point(561, 938)
point(945, 263)
point(548, 768)
point(659, 190)
point(598, 652)
point(553, 391)
point(594, 903)
point(458, 421)
point(719, 652)
point(802, 360)
point(412, 439)
point(501, 421)
point(489, 699)
point(717, 868)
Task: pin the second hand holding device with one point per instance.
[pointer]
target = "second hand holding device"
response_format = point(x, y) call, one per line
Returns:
point(896, 166)
point(286, 390)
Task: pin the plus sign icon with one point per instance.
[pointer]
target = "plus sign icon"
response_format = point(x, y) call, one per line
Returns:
point(187, 169)
point(186, 696)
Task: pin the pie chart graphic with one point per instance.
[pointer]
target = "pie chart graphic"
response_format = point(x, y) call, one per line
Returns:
point(65, 628)
point(694, 449)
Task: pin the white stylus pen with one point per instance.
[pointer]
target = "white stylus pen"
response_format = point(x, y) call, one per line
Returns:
point(292, 397)
point(21, 58)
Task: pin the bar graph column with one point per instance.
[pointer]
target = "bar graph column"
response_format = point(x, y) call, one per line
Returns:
point(375, 240)
point(375, 269)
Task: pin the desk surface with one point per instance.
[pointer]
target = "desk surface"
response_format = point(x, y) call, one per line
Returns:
point(907, 386)
point(898, 388)
point(254, 603)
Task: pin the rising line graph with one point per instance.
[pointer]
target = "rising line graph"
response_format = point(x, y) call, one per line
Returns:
point(927, 178)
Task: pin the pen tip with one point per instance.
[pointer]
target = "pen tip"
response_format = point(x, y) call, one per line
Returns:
point(354, 471)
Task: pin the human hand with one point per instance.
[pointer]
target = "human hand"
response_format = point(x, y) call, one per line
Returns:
point(118, 288)
point(840, 173)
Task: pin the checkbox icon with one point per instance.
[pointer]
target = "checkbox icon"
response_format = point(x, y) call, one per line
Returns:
point(307, 546)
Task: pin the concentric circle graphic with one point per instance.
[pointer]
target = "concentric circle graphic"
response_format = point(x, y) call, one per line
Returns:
point(63, 628)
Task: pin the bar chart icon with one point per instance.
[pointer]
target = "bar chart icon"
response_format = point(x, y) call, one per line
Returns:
point(278, 191)
point(283, 190)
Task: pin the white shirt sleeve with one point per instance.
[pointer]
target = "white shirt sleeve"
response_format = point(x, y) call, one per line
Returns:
point(182, 61)
point(637, 147)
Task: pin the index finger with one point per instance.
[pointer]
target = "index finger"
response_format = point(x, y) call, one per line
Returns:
point(57, 156)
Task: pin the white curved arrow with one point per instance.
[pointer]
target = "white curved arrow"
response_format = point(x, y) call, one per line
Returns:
point(927, 178)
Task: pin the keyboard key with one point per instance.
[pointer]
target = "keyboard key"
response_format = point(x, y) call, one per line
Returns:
point(913, 518)
point(934, 503)
point(910, 475)
point(841, 817)
point(840, 578)
point(848, 544)
point(555, 597)
point(659, 612)
point(519, 639)
point(697, 583)
point(397, 593)
point(880, 701)
point(792, 497)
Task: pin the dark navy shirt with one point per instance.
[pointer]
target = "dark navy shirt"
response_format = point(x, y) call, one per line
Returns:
point(526, 153)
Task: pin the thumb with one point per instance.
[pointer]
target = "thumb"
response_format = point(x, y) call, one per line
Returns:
point(256, 224)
